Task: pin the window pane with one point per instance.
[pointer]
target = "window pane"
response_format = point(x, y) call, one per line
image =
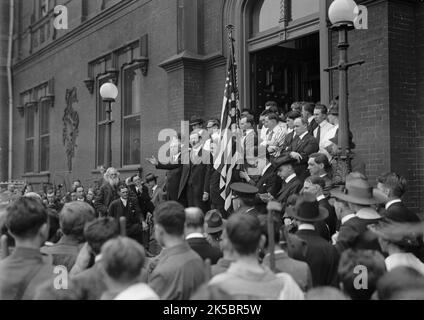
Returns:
point(29, 156)
point(44, 153)
point(132, 86)
point(44, 117)
point(101, 145)
point(303, 8)
point(132, 140)
point(29, 122)
point(269, 15)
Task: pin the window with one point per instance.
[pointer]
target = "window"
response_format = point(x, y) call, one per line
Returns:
point(131, 116)
point(29, 138)
point(101, 126)
point(44, 112)
point(303, 8)
point(266, 15)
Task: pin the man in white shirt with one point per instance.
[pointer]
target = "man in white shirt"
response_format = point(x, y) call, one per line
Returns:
point(325, 130)
point(275, 134)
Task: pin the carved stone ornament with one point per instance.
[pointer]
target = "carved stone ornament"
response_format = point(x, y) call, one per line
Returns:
point(144, 64)
point(70, 126)
point(89, 83)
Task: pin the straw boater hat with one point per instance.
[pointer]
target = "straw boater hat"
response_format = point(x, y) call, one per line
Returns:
point(307, 209)
point(357, 191)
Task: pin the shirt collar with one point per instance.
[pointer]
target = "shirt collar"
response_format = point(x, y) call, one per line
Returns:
point(347, 218)
point(306, 226)
point(303, 135)
point(124, 201)
point(321, 197)
point(290, 177)
point(194, 235)
point(388, 204)
point(310, 119)
point(368, 214)
point(324, 124)
point(266, 168)
point(154, 188)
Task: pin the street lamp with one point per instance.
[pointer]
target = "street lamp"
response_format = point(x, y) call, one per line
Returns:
point(341, 14)
point(109, 93)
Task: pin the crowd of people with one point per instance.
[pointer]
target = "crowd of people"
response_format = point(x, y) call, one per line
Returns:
point(295, 229)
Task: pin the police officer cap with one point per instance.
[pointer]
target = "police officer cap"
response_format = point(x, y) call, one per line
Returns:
point(244, 189)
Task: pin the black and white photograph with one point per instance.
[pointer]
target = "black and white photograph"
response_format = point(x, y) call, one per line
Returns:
point(227, 152)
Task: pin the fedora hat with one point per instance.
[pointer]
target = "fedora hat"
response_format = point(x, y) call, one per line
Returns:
point(214, 222)
point(284, 160)
point(151, 177)
point(195, 120)
point(307, 209)
point(356, 191)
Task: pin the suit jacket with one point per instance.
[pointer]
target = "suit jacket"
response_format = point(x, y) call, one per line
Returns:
point(252, 211)
point(177, 273)
point(141, 199)
point(287, 189)
point(17, 267)
point(352, 235)
point(173, 177)
point(400, 213)
point(104, 198)
point(305, 147)
point(299, 270)
point(204, 249)
point(321, 257)
point(331, 220)
point(269, 182)
point(65, 251)
point(130, 212)
point(312, 126)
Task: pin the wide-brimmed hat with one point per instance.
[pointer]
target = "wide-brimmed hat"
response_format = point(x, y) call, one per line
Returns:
point(214, 222)
point(307, 209)
point(196, 120)
point(356, 191)
point(151, 177)
point(284, 160)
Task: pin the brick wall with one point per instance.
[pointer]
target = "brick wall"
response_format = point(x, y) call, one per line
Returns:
point(368, 90)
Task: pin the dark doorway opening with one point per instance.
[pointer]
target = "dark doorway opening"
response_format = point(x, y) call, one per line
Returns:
point(286, 73)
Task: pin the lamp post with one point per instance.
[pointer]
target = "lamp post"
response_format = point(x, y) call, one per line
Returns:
point(109, 93)
point(341, 15)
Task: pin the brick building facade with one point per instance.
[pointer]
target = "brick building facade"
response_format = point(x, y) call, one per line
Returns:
point(175, 51)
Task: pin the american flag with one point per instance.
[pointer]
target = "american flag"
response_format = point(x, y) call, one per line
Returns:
point(229, 155)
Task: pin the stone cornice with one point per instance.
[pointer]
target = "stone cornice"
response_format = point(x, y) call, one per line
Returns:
point(189, 60)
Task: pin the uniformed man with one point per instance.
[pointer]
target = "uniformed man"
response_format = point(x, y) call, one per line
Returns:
point(244, 195)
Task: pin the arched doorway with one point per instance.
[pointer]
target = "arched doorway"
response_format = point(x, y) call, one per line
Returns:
point(282, 50)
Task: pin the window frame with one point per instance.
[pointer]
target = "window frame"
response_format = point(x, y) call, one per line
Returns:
point(32, 107)
point(124, 117)
point(43, 104)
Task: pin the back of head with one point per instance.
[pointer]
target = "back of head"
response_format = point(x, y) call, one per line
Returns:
point(171, 216)
point(25, 216)
point(309, 107)
point(244, 233)
point(99, 231)
point(122, 259)
point(325, 293)
point(321, 158)
point(194, 218)
point(394, 182)
point(74, 216)
point(398, 282)
point(355, 264)
point(293, 115)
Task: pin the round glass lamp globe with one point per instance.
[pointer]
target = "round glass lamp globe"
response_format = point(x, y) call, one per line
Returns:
point(108, 91)
point(341, 12)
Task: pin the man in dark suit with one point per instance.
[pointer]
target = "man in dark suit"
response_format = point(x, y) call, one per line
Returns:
point(308, 116)
point(124, 207)
point(354, 206)
point(244, 195)
point(290, 183)
point(315, 186)
point(393, 186)
point(321, 256)
point(107, 192)
point(302, 146)
point(193, 182)
point(174, 168)
point(319, 166)
point(268, 183)
point(194, 231)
